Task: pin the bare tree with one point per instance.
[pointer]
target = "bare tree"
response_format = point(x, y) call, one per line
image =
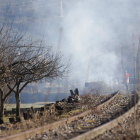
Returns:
point(35, 64)
point(9, 50)
point(23, 61)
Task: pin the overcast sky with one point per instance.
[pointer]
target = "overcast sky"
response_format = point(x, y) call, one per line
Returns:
point(93, 33)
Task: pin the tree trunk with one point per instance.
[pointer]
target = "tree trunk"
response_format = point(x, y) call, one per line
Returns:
point(1, 106)
point(17, 96)
point(2, 109)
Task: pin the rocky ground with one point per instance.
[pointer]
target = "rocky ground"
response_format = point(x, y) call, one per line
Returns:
point(87, 101)
point(129, 129)
point(84, 124)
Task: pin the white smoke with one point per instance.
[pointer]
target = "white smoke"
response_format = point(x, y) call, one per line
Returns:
point(93, 32)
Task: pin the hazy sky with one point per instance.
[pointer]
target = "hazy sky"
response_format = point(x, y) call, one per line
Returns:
point(93, 32)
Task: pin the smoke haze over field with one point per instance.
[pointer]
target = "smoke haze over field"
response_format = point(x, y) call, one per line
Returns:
point(93, 33)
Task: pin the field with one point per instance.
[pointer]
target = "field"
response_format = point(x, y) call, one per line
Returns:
point(35, 105)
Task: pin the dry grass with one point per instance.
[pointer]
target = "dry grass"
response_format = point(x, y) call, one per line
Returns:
point(35, 105)
point(75, 111)
point(86, 127)
point(65, 116)
point(91, 121)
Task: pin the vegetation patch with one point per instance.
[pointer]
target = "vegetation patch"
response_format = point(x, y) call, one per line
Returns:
point(75, 111)
point(91, 121)
point(87, 127)
point(65, 116)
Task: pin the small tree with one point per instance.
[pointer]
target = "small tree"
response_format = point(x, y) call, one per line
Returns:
point(8, 52)
point(23, 61)
point(35, 64)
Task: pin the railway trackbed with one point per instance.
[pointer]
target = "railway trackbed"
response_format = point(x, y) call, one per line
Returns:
point(81, 126)
point(96, 118)
point(111, 116)
point(79, 129)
